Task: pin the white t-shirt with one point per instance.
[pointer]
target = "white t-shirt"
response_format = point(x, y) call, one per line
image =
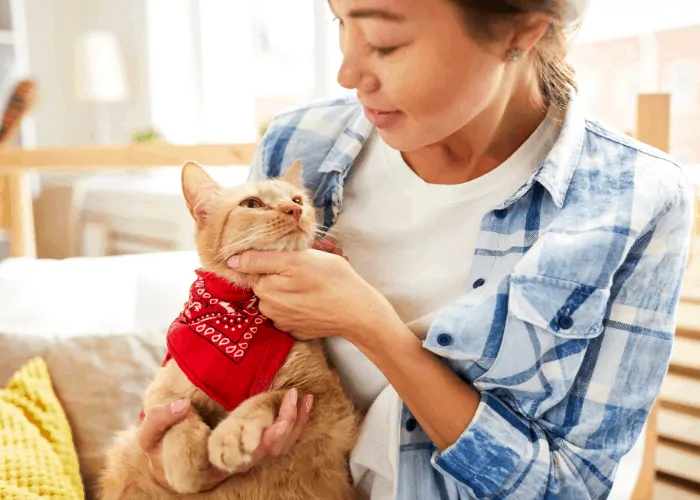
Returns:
point(413, 241)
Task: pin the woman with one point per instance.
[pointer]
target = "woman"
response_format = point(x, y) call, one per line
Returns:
point(513, 270)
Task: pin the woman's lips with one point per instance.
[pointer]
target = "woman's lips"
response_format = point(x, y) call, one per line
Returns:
point(383, 119)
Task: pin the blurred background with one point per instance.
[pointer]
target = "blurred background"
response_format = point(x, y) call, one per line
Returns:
point(113, 72)
point(116, 88)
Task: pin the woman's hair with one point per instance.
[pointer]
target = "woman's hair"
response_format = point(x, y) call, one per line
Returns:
point(556, 77)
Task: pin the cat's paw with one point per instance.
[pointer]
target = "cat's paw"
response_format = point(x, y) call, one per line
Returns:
point(233, 441)
point(185, 456)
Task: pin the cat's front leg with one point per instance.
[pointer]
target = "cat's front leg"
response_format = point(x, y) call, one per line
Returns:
point(233, 441)
point(185, 455)
point(184, 452)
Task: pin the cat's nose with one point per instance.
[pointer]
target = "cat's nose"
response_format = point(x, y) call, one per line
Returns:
point(294, 211)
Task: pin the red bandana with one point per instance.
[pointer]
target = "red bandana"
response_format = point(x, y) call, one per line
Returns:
point(223, 344)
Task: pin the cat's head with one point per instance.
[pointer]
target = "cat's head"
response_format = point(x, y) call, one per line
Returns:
point(275, 214)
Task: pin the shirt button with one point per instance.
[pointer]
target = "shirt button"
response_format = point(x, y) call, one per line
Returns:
point(479, 283)
point(411, 424)
point(444, 339)
point(501, 213)
point(565, 322)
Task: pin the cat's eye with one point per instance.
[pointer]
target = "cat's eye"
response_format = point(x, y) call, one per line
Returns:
point(251, 203)
point(297, 200)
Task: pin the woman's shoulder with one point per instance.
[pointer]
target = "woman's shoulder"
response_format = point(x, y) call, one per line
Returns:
point(325, 134)
point(622, 163)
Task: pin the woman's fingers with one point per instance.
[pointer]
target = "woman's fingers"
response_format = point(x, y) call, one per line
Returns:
point(288, 408)
point(157, 422)
point(303, 413)
point(327, 245)
point(151, 431)
point(324, 245)
point(277, 439)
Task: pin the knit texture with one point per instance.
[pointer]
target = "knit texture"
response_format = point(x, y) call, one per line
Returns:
point(37, 456)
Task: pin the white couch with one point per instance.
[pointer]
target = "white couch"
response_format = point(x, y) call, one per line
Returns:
point(100, 323)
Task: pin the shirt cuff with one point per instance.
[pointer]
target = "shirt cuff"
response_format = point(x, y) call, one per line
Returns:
point(495, 446)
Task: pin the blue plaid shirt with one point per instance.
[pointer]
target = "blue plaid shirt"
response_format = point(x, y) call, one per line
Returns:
point(570, 336)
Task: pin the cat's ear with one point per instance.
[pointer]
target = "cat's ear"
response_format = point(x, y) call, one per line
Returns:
point(198, 188)
point(293, 175)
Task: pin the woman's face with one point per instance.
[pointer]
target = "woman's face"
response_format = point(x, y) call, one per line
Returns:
point(417, 72)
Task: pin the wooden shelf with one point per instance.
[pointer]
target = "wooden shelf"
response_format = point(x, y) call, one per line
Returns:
point(678, 425)
point(670, 489)
point(682, 390)
point(686, 353)
point(124, 157)
point(678, 461)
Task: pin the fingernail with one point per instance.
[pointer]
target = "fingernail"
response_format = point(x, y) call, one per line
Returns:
point(293, 395)
point(234, 261)
point(309, 402)
point(178, 406)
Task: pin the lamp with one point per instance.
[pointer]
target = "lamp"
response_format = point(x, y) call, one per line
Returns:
point(100, 76)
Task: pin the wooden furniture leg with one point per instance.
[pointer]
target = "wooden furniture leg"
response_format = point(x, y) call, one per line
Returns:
point(645, 485)
point(21, 217)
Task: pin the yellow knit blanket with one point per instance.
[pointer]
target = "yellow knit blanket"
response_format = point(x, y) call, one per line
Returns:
point(37, 455)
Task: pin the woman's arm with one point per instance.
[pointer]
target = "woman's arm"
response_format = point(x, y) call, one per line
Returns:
point(442, 402)
point(489, 448)
point(483, 443)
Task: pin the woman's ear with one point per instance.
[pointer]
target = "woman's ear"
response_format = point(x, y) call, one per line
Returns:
point(198, 188)
point(528, 32)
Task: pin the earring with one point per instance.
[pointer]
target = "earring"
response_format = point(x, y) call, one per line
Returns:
point(514, 55)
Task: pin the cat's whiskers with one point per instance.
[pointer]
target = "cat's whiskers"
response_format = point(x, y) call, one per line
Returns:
point(243, 244)
point(336, 236)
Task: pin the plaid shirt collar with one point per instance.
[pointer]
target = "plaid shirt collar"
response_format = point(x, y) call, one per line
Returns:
point(554, 173)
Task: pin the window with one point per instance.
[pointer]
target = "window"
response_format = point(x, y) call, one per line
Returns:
point(283, 53)
point(221, 69)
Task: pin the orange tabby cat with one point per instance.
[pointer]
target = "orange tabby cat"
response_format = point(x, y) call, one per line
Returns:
point(228, 222)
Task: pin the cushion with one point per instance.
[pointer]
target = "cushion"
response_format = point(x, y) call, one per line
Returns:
point(37, 456)
point(100, 324)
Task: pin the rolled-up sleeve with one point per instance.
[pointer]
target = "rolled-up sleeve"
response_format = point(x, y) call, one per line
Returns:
point(503, 455)
point(572, 450)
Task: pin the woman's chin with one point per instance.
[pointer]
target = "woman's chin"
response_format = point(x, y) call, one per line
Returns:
point(406, 138)
point(397, 140)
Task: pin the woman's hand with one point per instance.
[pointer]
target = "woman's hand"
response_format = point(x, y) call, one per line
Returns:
point(313, 294)
point(328, 245)
point(277, 439)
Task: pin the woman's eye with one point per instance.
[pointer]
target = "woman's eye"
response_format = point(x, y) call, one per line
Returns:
point(385, 51)
point(251, 203)
point(297, 200)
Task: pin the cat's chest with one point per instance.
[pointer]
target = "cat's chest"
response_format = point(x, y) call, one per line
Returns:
point(211, 412)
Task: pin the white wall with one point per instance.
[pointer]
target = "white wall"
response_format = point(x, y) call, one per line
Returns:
point(53, 26)
point(610, 19)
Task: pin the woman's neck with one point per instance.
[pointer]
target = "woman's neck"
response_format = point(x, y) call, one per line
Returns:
point(484, 143)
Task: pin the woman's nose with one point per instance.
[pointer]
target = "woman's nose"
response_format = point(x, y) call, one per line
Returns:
point(352, 77)
point(354, 73)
